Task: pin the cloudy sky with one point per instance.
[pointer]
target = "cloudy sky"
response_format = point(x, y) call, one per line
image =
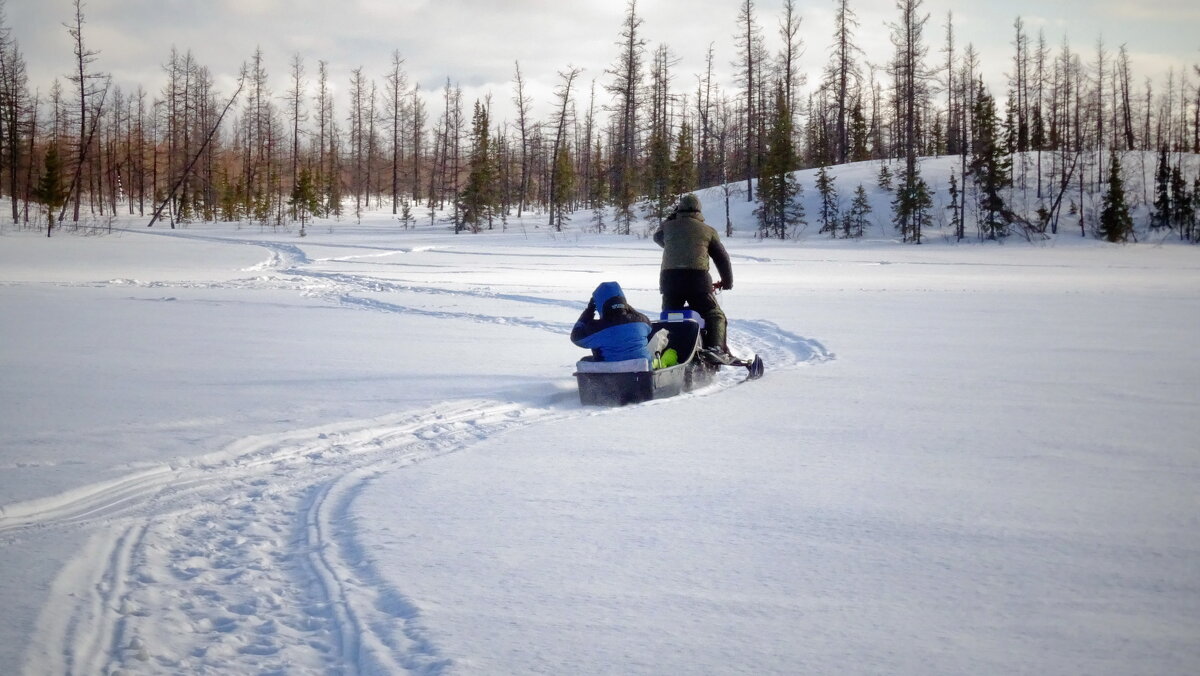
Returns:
point(475, 43)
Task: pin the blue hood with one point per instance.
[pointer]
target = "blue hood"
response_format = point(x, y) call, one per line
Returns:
point(608, 295)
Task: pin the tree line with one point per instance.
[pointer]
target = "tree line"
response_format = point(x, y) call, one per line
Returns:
point(620, 148)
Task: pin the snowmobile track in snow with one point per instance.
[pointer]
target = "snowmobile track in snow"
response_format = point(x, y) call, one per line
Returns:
point(209, 547)
point(245, 560)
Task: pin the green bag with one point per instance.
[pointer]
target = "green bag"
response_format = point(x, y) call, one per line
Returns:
point(669, 358)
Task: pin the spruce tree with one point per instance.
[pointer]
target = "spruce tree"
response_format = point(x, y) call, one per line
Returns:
point(1161, 216)
point(990, 166)
point(884, 181)
point(902, 207)
point(599, 188)
point(860, 134)
point(565, 170)
point(779, 206)
point(50, 190)
point(1116, 225)
point(856, 220)
point(333, 195)
point(231, 200)
point(305, 201)
point(910, 207)
point(1181, 201)
point(956, 215)
point(657, 174)
point(922, 206)
point(829, 201)
point(1193, 232)
point(406, 214)
point(478, 196)
point(683, 167)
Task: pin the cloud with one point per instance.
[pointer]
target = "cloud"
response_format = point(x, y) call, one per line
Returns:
point(1154, 10)
point(255, 8)
point(476, 43)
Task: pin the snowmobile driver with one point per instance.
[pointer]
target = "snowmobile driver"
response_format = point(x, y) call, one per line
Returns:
point(688, 242)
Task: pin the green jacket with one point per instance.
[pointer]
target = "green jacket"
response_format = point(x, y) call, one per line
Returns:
point(688, 242)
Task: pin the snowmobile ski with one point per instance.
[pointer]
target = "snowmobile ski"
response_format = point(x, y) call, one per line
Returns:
point(754, 365)
point(755, 368)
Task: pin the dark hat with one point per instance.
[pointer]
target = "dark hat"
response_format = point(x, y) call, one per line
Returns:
point(608, 296)
point(689, 202)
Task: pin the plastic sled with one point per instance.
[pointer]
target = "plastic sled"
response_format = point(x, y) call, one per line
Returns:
point(633, 381)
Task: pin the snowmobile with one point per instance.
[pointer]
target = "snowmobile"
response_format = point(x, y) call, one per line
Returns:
point(632, 381)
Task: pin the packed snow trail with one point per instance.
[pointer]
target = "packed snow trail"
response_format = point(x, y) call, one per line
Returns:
point(245, 560)
point(234, 562)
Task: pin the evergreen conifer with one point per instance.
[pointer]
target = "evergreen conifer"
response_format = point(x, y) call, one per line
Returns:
point(856, 219)
point(50, 190)
point(829, 201)
point(1181, 201)
point(305, 202)
point(1116, 225)
point(1161, 216)
point(885, 178)
point(779, 208)
point(990, 167)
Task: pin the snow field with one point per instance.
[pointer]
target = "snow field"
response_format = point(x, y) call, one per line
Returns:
point(236, 451)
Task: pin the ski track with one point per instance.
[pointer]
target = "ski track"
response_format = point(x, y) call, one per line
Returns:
point(245, 560)
point(778, 348)
point(241, 561)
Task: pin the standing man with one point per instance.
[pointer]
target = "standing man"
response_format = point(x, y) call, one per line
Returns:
point(688, 242)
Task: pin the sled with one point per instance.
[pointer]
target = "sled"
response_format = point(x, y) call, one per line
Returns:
point(617, 383)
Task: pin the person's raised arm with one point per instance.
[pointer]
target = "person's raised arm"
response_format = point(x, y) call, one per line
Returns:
point(583, 328)
point(720, 257)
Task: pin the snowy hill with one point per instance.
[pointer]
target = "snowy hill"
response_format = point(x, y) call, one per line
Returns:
point(1022, 196)
point(230, 450)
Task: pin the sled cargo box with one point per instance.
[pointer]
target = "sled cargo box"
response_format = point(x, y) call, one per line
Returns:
point(632, 381)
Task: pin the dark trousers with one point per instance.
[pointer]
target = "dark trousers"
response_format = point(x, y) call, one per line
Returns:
point(694, 289)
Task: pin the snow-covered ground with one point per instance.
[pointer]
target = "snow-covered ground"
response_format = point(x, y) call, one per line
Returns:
point(231, 450)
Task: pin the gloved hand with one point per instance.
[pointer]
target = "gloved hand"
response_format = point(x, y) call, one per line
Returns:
point(722, 284)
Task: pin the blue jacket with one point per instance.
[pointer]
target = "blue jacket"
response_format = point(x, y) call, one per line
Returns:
point(619, 333)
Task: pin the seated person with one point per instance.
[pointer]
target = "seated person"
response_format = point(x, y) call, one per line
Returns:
point(619, 333)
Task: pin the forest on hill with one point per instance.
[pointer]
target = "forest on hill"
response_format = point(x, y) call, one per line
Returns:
point(283, 149)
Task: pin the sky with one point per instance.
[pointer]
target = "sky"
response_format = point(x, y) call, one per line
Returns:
point(476, 43)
